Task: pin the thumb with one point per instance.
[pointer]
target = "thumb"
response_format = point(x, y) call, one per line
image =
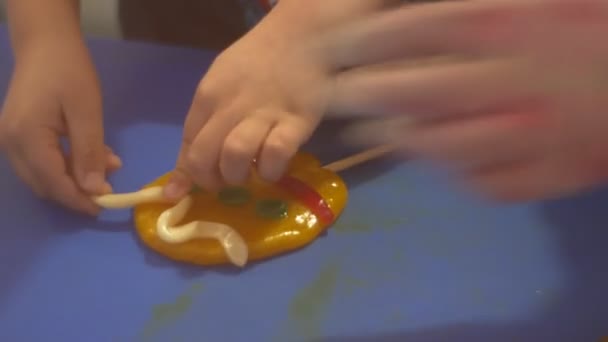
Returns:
point(85, 130)
point(180, 181)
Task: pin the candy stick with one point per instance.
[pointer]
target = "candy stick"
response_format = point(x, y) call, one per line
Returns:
point(312, 199)
point(361, 157)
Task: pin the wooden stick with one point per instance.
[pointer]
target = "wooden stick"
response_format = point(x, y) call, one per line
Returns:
point(361, 157)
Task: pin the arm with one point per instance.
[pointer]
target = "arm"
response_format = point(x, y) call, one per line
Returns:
point(54, 93)
point(38, 21)
point(264, 96)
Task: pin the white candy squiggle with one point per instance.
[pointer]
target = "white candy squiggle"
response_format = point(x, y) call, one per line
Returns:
point(131, 199)
point(232, 242)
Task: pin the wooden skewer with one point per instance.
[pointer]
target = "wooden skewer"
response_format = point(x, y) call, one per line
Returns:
point(361, 157)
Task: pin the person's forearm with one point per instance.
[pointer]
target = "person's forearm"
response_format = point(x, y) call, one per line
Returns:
point(32, 21)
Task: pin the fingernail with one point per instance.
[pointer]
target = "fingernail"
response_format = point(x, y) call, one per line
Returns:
point(94, 182)
point(115, 161)
point(174, 190)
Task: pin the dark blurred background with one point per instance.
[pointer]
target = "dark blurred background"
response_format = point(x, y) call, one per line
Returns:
point(202, 23)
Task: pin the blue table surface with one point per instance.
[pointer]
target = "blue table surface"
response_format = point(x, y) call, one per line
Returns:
point(413, 258)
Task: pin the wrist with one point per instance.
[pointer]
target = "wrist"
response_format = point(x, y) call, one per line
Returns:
point(47, 44)
point(308, 23)
point(35, 23)
point(302, 20)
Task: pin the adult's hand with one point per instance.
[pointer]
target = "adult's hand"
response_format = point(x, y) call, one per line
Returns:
point(515, 103)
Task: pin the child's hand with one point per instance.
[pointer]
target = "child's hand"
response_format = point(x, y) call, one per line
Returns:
point(519, 107)
point(53, 93)
point(262, 98)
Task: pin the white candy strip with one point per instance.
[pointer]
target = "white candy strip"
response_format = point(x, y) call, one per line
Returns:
point(232, 242)
point(131, 199)
point(234, 245)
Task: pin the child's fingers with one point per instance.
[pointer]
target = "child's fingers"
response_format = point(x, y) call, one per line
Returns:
point(242, 146)
point(430, 92)
point(46, 162)
point(113, 162)
point(443, 28)
point(479, 141)
point(282, 143)
point(24, 173)
point(180, 181)
point(200, 110)
point(537, 180)
point(204, 153)
point(85, 130)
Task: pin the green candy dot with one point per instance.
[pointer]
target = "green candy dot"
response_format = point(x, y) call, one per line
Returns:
point(271, 208)
point(234, 196)
point(195, 189)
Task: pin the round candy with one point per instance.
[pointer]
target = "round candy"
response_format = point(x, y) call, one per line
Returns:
point(271, 218)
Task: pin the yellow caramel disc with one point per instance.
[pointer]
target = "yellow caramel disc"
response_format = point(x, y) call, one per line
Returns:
point(271, 218)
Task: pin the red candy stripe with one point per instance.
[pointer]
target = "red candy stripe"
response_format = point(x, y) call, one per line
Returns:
point(309, 197)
